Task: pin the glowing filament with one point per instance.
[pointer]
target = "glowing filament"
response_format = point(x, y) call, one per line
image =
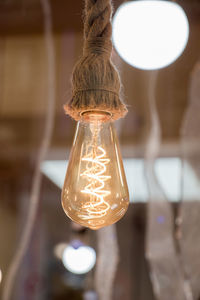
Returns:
point(96, 176)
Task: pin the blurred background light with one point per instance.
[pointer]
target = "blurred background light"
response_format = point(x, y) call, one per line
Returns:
point(149, 34)
point(90, 295)
point(0, 276)
point(78, 258)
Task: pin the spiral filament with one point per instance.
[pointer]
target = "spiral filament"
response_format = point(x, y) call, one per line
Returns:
point(96, 162)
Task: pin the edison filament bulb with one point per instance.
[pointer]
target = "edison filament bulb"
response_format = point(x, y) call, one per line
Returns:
point(95, 192)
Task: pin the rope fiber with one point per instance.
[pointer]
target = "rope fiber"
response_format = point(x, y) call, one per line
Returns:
point(95, 81)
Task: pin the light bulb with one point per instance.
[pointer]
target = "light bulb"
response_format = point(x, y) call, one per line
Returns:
point(95, 192)
point(150, 34)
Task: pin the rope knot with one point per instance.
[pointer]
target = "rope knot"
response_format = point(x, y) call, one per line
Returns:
point(98, 46)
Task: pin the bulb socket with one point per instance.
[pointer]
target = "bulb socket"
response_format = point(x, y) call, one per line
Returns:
point(91, 116)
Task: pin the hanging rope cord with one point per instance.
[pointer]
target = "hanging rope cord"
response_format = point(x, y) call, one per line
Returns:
point(98, 28)
point(37, 176)
point(95, 81)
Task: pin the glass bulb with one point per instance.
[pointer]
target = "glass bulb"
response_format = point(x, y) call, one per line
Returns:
point(95, 192)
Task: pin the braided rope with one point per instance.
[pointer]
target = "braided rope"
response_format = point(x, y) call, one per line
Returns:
point(97, 27)
point(98, 19)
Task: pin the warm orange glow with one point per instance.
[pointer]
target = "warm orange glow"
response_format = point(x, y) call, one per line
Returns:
point(95, 173)
point(95, 192)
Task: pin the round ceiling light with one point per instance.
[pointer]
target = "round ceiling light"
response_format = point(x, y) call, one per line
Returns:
point(79, 260)
point(150, 34)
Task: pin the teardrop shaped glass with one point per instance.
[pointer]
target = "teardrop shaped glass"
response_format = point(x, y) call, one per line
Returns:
point(95, 192)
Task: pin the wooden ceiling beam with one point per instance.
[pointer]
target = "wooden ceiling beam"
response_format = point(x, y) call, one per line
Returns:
point(27, 18)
